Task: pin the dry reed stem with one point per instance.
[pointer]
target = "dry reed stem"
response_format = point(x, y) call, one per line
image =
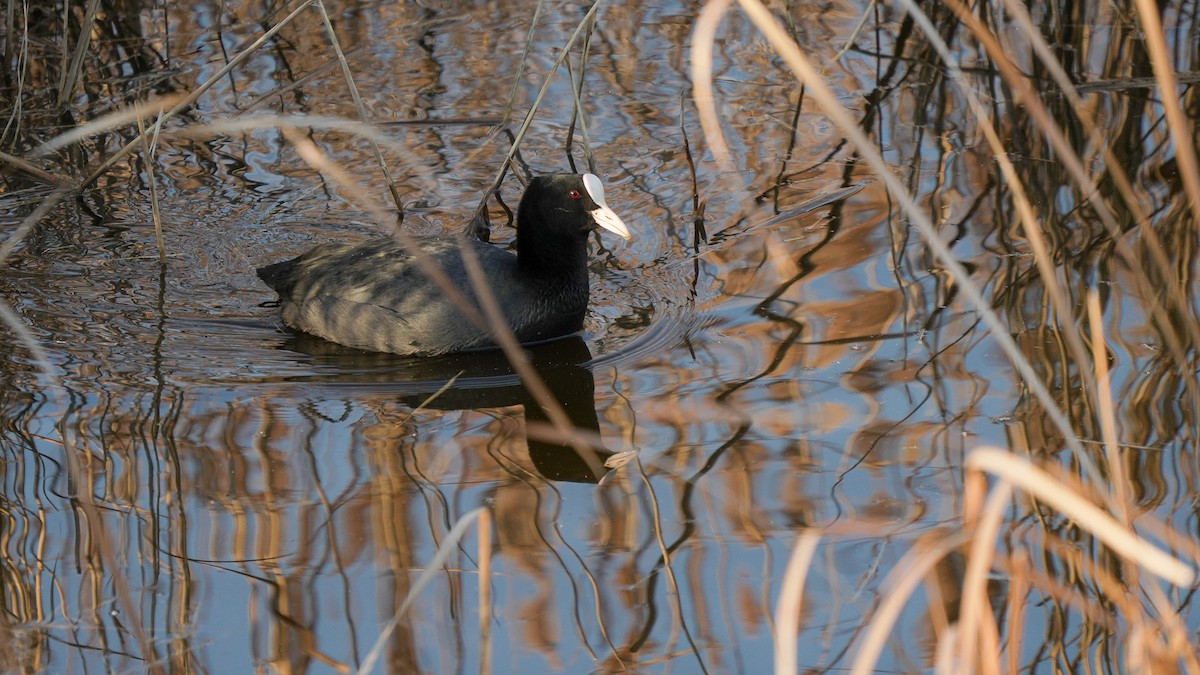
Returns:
point(1113, 165)
point(1177, 122)
point(358, 103)
point(516, 87)
point(978, 637)
point(310, 153)
point(704, 37)
point(484, 533)
point(1106, 410)
point(367, 132)
point(1045, 488)
point(900, 584)
point(1018, 591)
point(791, 595)
point(533, 108)
point(449, 544)
point(148, 151)
point(70, 74)
point(35, 171)
point(113, 120)
point(519, 359)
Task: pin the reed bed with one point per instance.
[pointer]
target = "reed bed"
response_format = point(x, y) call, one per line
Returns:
point(1054, 520)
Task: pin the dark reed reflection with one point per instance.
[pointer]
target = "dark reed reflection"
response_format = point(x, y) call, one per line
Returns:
point(477, 380)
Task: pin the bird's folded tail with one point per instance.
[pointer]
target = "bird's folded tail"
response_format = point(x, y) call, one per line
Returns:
point(277, 275)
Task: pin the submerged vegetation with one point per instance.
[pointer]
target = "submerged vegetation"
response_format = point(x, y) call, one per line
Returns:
point(962, 397)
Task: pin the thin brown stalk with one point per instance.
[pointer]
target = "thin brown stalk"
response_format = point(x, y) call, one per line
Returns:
point(70, 74)
point(1045, 488)
point(453, 538)
point(901, 582)
point(1047, 268)
point(515, 146)
point(1106, 408)
point(358, 103)
point(979, 645)
point(516, 87)
point(195, 94)
point(1018, 592)
point(148, 151)
point(35, 171)
point(484, 533)
point(491, 317)
point(791, 595)
point(310, 153)
point(1168, 91)
point(113, 120)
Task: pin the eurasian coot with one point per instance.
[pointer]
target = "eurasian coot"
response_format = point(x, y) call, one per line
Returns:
point(372, 295)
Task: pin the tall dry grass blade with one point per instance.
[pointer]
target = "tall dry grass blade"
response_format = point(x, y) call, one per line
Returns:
point(664, 551)
point(358, 103)
point(577, 113)
point(900, 584)
point(1168, 90)
point(518, 357)
point(862, 21)
point(449, 544)
point(299, 82)
point(791, 595)
point(10, 15)
point(1045, 488)
point(1176, 290)
point(148, 152)
point(1106, 409)
point(820, 91)
point(491, 316)
point(12, 126)
point(113, 120)
point(195, 94)
point(432, 397)
point(484, 532)
point(516, 87)
point(1018, 591)
point(37, 172)
point(699, 231)
point(704, 38)
point(365, 131)
point(978, 640)
point(69, 77)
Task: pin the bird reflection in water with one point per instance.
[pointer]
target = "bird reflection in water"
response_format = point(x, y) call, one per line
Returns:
point(484, 379)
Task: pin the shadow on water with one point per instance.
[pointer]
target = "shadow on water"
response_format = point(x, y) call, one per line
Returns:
point(473, 381)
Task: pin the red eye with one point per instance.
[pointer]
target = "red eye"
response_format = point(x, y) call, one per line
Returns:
point(575, 194)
